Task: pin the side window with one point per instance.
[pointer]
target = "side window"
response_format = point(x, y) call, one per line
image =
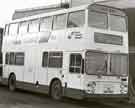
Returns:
point(76, 19)
point(7, 58)
point(59, 21)
point(1, 56)
point(55, 60)
point(75, 63)
point(19, 59)
point(34, 26)
point(45, 24)
point(45, 59)
point(23, 28)
point(12, 58)
point(6, 29)
point(13, 29)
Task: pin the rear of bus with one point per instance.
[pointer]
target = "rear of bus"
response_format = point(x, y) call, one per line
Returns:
point(106, 61)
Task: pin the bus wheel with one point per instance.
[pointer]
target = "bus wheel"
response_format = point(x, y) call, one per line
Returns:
point(12, 82)
point(56, 90)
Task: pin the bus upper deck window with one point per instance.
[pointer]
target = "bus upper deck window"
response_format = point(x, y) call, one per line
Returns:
point(59, 21)
point(97, 19)
point(23, 28)
point(13, 29)
point(6, 30)
point(45, 24)
point(76, 19)
point(34, 26)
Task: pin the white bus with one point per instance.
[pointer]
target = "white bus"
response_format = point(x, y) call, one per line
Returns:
point(78, 52)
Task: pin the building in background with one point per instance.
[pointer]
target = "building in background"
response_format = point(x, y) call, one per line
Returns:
point(1, 39)
point(82, 2)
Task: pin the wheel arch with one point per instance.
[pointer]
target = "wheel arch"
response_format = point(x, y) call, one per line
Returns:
point(51, 82)
point(11, 73)
point(13, 86)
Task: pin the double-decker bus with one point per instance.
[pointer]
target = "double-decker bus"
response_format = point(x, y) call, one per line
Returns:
point(78, 52)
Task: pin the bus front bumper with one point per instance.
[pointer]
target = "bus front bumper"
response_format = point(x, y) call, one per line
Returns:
point(87, 95)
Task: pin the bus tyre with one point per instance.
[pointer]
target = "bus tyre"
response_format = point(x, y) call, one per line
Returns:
point(56, 90)
point(12, 82)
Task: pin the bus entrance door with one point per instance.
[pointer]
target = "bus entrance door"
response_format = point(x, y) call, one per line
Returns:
point(74, 76)
point(29, 67)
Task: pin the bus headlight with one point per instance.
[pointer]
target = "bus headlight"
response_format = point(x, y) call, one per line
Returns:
point(91, 87)
point(123, 88)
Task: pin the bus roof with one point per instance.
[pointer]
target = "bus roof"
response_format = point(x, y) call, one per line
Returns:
point(55, 12)
point(21, 13)
point(59, 11)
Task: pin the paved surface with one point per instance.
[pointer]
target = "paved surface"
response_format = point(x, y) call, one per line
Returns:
point(23, 99)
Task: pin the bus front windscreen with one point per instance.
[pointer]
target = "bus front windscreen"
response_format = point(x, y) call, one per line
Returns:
point(118, 64)
point(117, 23)
point(106, 64)
point(96, 63)
point(97, 19)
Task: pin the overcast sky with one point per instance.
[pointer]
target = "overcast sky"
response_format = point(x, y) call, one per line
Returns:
point(7, 7)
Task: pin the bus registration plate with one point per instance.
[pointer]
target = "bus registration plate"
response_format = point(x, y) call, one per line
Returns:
point(108, 89)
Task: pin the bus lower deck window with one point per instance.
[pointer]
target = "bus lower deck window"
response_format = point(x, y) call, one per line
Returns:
point(52, 59)
point(12, 58)
point(75, 63)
